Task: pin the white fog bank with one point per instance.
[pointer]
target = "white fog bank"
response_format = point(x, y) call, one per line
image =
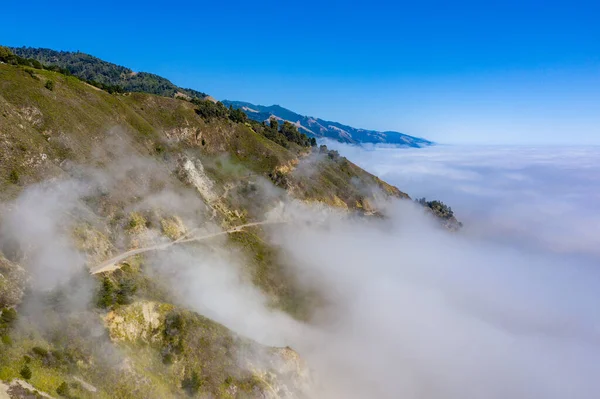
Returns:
point(545, 196)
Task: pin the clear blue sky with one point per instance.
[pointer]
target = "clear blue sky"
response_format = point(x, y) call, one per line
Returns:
point(515, 72)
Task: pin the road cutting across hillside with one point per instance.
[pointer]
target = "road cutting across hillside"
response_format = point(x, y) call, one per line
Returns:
point(114, 263)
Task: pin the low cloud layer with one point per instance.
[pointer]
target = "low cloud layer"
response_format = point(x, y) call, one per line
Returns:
point(415, 312)
point(543, 196)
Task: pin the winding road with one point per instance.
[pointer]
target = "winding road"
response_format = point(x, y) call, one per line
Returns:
point(113, 263)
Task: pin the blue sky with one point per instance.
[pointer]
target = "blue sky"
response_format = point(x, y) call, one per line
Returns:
point(456, 72)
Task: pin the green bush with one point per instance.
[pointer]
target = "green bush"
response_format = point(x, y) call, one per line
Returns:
point(6, 340)
point(49, 85)
point(25, 372)
point(106, 294)
point(63, 389)
point(41, 352)
point(9, 315)
point(14, 177)
point(191, 384)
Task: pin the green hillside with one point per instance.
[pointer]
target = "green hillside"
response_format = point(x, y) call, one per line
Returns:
point(92, 69)
point(127, 149)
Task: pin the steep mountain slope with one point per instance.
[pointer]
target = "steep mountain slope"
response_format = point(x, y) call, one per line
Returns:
point(86, 175)
point(90, 68)
point(316, 127)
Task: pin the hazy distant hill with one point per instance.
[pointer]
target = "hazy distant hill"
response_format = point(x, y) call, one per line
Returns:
point(91, 68)
point(317, 127)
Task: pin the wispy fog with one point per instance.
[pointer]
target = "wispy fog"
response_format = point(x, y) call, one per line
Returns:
point(507, 308)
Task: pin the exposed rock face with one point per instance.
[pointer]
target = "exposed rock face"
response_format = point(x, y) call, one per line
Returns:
point(192, 172)
point(232, 366)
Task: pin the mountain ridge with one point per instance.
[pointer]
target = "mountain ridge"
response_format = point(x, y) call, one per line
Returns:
point(93, 69)
point(117, 78)
point(321, 128)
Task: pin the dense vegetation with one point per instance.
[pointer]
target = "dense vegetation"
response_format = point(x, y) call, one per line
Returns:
point(106, 75)
point(440, 209)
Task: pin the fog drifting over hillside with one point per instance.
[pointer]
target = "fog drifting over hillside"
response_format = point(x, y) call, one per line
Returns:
point(507, 308)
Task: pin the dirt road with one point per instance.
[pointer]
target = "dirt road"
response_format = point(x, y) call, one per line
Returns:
point(113, 263)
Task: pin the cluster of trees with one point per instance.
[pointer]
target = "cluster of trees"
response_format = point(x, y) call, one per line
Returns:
point(92, 69)
point(331, 154)
point(437, 207)
point(174, 326)
point(7, 56)
point(119, 293)
point(291, 133)
point(285, 134)
point(210, 110)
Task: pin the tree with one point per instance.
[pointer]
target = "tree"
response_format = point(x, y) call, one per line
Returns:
point(237, 115)
point(106, 294)
point(273, 124)
point(313, 142)
point(25, 372)
point(127, 289)
point(49, 85)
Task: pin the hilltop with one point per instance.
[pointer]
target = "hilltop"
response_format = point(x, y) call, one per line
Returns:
point(93, 69)
point(320, 128)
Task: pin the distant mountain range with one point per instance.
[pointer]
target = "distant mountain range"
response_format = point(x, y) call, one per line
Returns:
point(320, 128)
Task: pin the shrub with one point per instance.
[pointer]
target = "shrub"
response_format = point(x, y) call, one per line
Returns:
point(31, 73)
point(14, 177)
point(6, 339)
point(191, 384)
point(41, 352)
point(49, 85)
point(63, 389)
point(137, 223)
point(8, 316)
point(25, 372)
point(167, 359)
